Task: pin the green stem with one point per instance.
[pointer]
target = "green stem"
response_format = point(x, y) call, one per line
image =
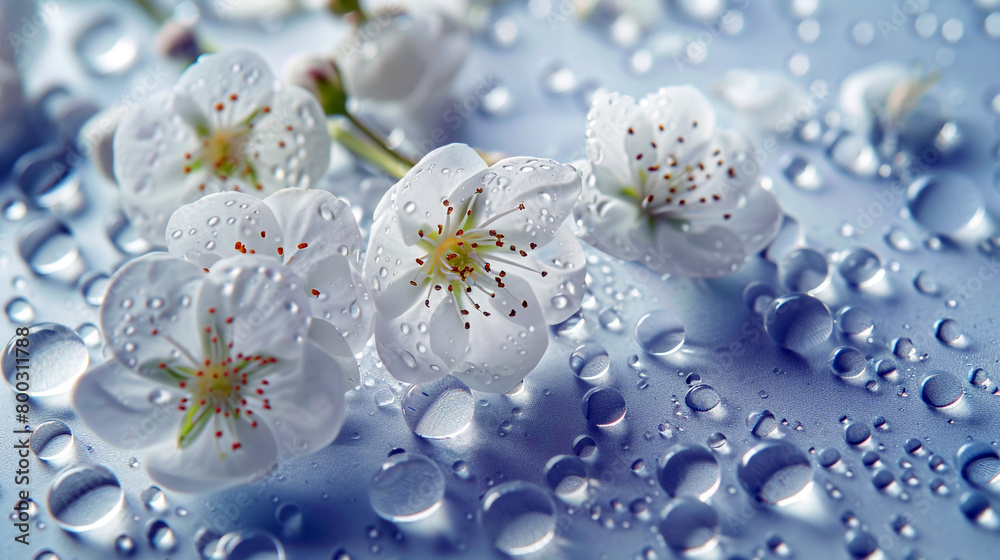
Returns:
point(371, 152)
point(378, 140)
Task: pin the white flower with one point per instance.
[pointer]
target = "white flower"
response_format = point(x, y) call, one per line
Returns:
point(310, 231)
point(468, 264)
point(664, 186)
point(227, 125)
point(401, 68)
point(215, 376)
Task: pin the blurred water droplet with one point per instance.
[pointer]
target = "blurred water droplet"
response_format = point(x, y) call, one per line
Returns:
point(58, 357)
point(979, 464)
point(944, 203)
point(154, 499)
point(160, 536)
point(762, 423)
point(610, 320)
point(899, 240)
point(518, 517)
point(585, 447)
point(20, 311)
point(251, 545)
point(104, 48)
point(50, 250)
point(124, 545)
point(559, 80)
point(660, 332)
point(925, 283)
point(439, 409)
point(861, 266)
point(855, 321)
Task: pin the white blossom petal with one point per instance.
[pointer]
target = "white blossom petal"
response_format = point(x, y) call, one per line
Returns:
point(222, 225)
point(404, 346)
point(421, 193)
point(338, 295)
point(526, 199)
point(209, 463)
point(560, 292)
point(125, 409)
point(504, 348)
point(214, 79)
point(332, 341)
point(389, 267)
point(151, 148)
point(607, 125)
point(149, 313)
point(290, 146)
point(311, 411)
point(268, 307)
point(319, 218)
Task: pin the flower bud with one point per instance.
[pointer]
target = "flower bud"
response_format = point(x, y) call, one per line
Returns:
point(319, 74)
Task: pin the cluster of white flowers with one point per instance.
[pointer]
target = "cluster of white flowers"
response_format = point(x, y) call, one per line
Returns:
point(235, 348)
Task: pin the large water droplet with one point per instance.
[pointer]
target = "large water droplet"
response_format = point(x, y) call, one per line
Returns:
point(798, 322)
point(518, 517)
point(775, 473)
point(251, 545)
point(57, 357)
point(407, 487)
point(603, 406)
point(690, 471)
point(848, 362)
point(660, 332)
point(84, 497)
point(762, 423)
point(944, 203)
point(949, 332)
point(438, 409)
point(160, 536)
point(940, 390)
point(50, 250)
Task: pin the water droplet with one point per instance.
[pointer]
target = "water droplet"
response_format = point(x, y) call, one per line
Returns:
point(590, 361)
point(585, 447)
point(689, 471)
point(291, 519)
point(775, 472)
point(925, 283)
point(58, 357)
point(828, 457)
point(762, 423)
point(407, 487)
point(861, 266)
point(105, 47)
point(439, 409)
point(20, 311)
point(979, 464)
point(804, 270)
point(862, 544)
point(251, 545)
point(610, 320)
point(856, 433)
point(125, 237)
point(977, 509)
point(124, 545)
point(566, 476)
point(154, 499)
point(384, 397)
point(798, 322)
point(84, 496)
point(944, 203)
point(855, 321)
point(660, 332)
point(604, 406)
point(559, 80)
point(904, 349)
point(518, 517)
point(757, 296)
point(702, 398)
point(848, 362)
point(940, 390)
point(160, 536)
point(949, 332)
point(50, 250)
point(803, 173)
point(979, 376)
point(899, 240)
point(51, 440)
point(689, 526)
